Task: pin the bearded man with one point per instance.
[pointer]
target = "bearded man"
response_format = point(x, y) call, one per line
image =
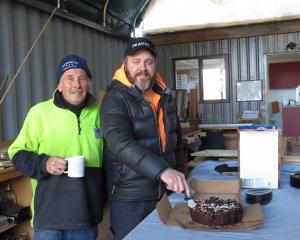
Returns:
point(142, 154)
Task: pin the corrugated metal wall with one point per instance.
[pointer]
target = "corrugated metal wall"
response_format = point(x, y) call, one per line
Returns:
point(19, 27)
point(246, 62)
point(20, 24)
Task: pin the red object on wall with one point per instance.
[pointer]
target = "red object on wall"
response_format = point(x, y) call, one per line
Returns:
point(290, 121)
point(284, 75)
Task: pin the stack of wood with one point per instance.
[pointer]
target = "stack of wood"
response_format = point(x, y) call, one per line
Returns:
point(4, 161)
point(293, 145)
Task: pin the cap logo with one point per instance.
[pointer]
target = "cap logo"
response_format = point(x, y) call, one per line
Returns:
point(137, 43)
point(140, 44)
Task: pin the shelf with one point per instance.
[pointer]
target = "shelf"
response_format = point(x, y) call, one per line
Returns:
point(7, 227)
point(8, 174)
point(220, 153)
point(22, 188)
point(230, 126)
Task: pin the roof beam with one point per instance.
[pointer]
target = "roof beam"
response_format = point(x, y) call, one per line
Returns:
point(226, 32)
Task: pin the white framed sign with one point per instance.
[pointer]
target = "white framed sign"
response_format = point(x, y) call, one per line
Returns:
point(249, 90)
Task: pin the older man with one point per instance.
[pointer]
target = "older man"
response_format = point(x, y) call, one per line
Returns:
point(66, 125)
point(141, 130)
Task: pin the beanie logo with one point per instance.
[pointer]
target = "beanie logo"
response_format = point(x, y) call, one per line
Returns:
point(70, 64)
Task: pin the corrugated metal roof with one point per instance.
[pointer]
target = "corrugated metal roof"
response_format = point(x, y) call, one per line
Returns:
point(118, 16)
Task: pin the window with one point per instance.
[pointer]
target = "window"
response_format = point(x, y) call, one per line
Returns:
point(209, 75)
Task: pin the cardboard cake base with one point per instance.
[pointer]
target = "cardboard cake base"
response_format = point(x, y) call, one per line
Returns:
point(253, 216)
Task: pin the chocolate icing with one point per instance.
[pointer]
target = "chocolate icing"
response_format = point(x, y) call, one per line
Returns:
point(216, 212)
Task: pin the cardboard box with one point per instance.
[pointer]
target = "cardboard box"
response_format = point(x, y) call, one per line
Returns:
point(180, 214)
point(5, 145)
point(225, 189)
point(293, 145)
point(231, 141)
point(259, 157)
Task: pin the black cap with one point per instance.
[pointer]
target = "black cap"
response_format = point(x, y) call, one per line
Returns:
point(139, 43)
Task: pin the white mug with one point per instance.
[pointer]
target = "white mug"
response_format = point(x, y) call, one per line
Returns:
point(75, 166)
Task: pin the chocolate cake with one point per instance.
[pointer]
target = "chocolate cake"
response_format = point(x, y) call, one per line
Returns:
point(216, 212)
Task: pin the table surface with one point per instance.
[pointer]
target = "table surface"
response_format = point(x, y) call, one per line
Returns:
point(280, 222)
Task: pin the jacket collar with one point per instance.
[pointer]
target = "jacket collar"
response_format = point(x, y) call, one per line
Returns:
point(60, 102)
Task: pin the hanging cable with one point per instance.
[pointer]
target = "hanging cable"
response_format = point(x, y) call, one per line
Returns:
point(104, 13)
point(141, 10)
point(3, 82)
point(27, 55)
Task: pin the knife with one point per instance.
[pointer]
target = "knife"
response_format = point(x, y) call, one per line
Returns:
point(190, 201)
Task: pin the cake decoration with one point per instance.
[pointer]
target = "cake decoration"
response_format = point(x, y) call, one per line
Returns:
point(216, 212)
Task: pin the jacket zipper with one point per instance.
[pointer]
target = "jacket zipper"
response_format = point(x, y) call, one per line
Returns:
point(161, 154)
point(159, 142)
point(113, 189)
point(122, 173)
point(78, 124)
point(158, 133)
point(160, 147)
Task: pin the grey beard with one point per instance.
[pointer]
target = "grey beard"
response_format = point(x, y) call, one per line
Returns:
point(143, 87)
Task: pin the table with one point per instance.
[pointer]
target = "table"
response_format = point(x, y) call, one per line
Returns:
point(281, 214)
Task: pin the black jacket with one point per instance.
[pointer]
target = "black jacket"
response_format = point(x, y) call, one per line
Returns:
point(133, 158)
